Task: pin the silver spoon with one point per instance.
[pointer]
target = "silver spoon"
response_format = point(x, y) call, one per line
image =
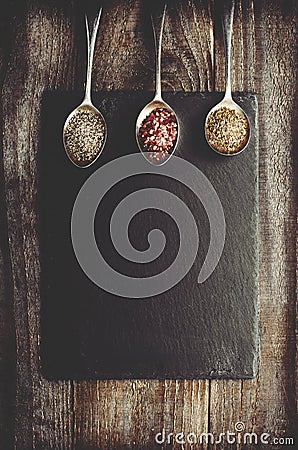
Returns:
point(85, 129)
point(214, 115)
point(165, 138)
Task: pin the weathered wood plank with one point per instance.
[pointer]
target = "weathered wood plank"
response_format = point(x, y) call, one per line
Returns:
point(7, 335)
point(276, 82)
point(43, 409)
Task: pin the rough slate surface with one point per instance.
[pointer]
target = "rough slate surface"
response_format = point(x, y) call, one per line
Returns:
point(191, 331)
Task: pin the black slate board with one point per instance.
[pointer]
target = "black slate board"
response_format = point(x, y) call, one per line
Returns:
point(207, 330)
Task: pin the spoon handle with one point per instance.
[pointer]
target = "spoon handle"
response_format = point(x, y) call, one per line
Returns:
point(91, 30)
point(227, 26)
point(158, 26)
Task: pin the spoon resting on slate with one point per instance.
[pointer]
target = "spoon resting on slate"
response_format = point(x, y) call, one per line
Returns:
point(157, 127)
point(85, 129)
point(227, 128)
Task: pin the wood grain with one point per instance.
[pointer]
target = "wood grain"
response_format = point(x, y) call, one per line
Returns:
point(43, 47)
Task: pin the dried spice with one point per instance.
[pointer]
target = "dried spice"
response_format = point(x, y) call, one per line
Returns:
point(227, 131)
point(158, 133)
point(84, 136)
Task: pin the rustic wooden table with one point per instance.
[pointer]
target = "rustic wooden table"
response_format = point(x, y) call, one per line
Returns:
point(42, 47)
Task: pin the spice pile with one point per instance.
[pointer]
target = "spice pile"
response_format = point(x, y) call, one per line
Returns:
point(158, 134)
point(84, 136)
point(227, 131)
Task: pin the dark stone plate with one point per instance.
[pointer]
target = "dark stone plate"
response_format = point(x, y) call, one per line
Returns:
point(207, 330)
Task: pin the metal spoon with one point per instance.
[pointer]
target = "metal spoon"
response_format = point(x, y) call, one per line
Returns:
point(159, 156)
point(228, 102)
point(85, 129)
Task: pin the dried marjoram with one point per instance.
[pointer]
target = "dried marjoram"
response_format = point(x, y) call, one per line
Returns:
point(158, 133)
point(227, 131)
point(84, 136)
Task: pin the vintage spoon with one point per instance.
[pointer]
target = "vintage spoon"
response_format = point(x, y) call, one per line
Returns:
point(85, 129)
point(227, 113)
point(157, 127)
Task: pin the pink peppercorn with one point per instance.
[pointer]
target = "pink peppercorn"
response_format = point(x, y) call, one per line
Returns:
point(158, 133)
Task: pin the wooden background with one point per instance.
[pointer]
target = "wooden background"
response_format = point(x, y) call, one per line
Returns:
point(42, 46)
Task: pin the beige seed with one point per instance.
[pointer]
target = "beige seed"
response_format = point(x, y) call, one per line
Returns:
point(227, 131)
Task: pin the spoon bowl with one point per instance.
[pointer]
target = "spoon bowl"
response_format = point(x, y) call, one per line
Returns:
point(159, 157)
point(85, 129)
point(82, 145)
point(229, 104)
point(157, 126)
